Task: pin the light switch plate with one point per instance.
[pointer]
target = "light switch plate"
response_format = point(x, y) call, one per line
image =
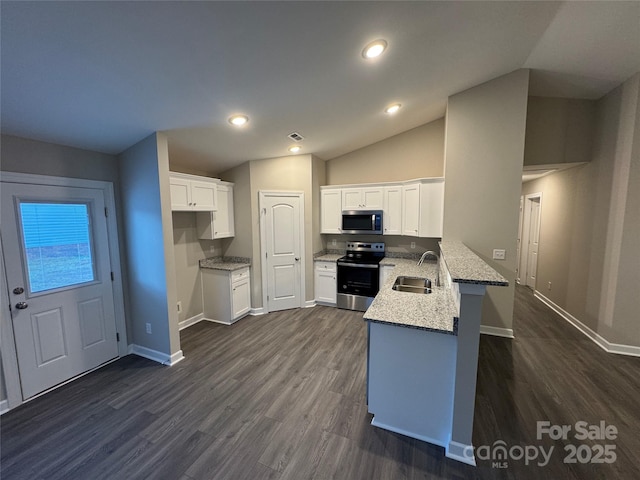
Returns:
point(499, 253)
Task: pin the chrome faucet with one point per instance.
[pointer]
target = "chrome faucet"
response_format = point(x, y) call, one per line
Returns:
point(431, 253)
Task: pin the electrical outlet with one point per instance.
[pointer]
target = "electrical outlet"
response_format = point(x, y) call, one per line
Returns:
point(148, 328)
point(413, 244)
point(499, 253)
point(334, 242)
point(179, 305)
point(549, 286)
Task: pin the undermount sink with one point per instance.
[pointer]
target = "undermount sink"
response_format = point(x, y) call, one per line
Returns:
point(412, 284)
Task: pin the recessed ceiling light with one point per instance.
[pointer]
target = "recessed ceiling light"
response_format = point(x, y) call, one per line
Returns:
point(374, 49)
point(238, 120)
point(391, 109)
point(295, 148)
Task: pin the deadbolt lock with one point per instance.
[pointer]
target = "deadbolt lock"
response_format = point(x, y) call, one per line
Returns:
point(18, 290)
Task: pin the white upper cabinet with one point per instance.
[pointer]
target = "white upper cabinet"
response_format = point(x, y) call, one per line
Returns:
point(412, 208)
point(331, 210)
point(218, 224)
point(368, 198)
point(423, 208)
point(392, 217)
point(192, 193)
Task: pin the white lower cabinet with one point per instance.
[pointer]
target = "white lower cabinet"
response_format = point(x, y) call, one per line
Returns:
point(226, 294)
point(325, 283)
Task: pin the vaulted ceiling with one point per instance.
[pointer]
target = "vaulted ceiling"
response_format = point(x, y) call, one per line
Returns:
point(103, 75)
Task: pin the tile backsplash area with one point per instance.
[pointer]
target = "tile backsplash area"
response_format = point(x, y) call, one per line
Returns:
point(393, 243)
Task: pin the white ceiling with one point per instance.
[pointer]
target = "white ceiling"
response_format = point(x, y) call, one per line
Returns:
point(103, 75)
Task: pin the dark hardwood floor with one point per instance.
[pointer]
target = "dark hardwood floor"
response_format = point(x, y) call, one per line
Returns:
point(282, 396)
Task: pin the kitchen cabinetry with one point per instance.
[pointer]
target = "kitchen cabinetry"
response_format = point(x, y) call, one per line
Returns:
point(413, 207)
point(192, 193)
point(370, 198)
point(392, 218)
point(227, 294)
point(422, 206)
point(331, 210)
point(325, 283)
point(218, 224)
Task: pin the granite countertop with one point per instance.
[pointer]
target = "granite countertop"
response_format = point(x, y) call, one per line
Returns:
point(466, 267)
point(435, 311)
point(225, 263)
point(328, 257)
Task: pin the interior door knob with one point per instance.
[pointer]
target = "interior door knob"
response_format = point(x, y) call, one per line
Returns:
point(21, 305)
point(297, 259)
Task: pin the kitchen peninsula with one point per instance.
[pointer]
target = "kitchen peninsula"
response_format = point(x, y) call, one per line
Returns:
point(423, 350)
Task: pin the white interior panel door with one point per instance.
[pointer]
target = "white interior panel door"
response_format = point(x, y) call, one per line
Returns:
point(534, 240)
point(519, 278)
point(59, 278)
point(283, 247)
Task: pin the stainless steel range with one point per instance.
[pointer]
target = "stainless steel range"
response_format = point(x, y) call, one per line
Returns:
point(359, 275)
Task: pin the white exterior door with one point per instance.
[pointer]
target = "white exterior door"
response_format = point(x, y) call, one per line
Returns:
point(58, 271)
point(282, 235)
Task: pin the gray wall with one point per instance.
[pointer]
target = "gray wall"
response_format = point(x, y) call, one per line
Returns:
point(559, 130)
point(590, 224)
point(31, 156)
point(188, 250)
point(290, 173)
point(416, 153)
point(144, 170)
point(293, 173)
point(484, 153)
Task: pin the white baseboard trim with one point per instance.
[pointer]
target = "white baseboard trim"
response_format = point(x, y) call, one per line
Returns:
point(309, 304)
point(461, 452)
point(496, 331)
point(190, 321)
point(407, 433)
point(155, 355)
point(257, 311)
point(598, 339)
point(221, 322)
point(4, 406)
point(325, 304)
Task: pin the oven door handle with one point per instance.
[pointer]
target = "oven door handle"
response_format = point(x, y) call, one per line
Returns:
point(358, 265)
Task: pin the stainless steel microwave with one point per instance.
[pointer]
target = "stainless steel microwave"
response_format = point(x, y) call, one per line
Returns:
point(362, 222)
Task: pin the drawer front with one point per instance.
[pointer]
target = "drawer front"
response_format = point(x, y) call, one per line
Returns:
point(326, 266)
point(239, 275)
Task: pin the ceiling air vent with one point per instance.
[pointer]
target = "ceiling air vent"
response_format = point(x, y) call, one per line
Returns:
point(295, 136)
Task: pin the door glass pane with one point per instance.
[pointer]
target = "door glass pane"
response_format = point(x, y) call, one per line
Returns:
point(57, 244)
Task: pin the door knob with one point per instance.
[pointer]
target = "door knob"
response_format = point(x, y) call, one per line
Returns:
point(297, 259)
point(21, 305)
point(18, 290)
